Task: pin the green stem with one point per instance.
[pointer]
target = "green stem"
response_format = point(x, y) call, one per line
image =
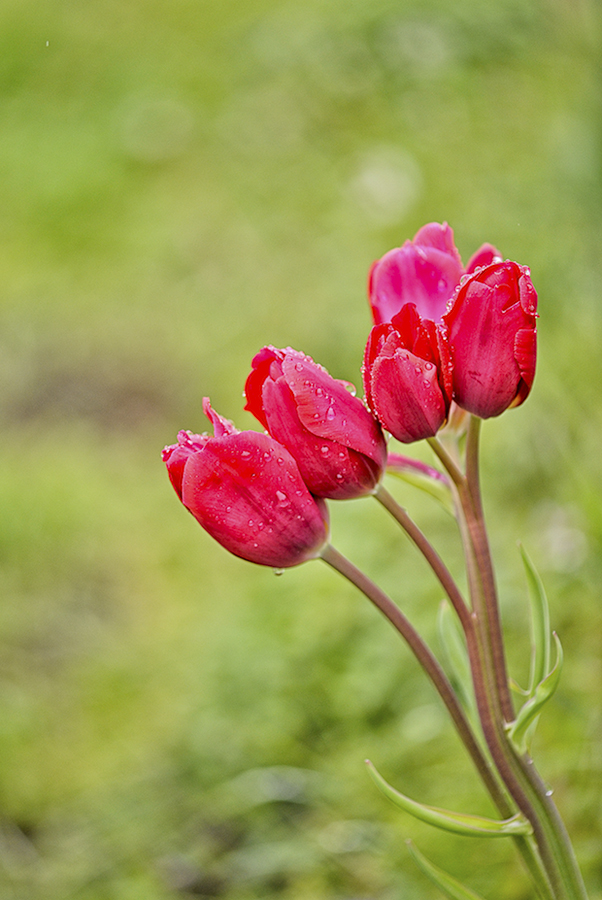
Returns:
point(486, 652)
point(432, 557)
point(476, 523)
point(429, 663)
point(468, 621)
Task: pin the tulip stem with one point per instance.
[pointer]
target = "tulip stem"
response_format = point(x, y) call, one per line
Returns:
point(429, 663)
point(468, 622)
point(430, 554)
point(487, 659)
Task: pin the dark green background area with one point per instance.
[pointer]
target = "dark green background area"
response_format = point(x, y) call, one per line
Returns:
point(182, 182)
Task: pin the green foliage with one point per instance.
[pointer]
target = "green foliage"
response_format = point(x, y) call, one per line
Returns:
point(182, 183)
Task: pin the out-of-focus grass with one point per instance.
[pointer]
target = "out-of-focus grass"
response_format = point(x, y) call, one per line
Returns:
point(182, 183)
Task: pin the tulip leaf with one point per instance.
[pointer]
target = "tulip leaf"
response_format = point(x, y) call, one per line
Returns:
point(446, 883)
point(456, 655)
point(540, 625)
point(421, 476)
point(518, 730)
point(459, 823)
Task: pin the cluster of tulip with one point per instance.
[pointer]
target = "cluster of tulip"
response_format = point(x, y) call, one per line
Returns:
point(450, 346)
point(443, 335)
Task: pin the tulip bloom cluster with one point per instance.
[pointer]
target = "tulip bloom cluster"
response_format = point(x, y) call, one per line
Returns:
point(262, 495)
point(442, 334)
point(445, 338)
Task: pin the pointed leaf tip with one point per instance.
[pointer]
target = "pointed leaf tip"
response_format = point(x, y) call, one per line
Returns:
point(459, 823)
point(540, 623)
point(518, 730)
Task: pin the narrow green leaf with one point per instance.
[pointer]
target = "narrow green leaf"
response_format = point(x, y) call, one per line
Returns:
point(540, 624)
point(518, 730)
point(446, 883)
point(459, 823)
point(456, 655)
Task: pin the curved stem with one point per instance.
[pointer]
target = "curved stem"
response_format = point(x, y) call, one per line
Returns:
point(428, 662)
point(430, 554)
point(469, 622)
point(486, 652)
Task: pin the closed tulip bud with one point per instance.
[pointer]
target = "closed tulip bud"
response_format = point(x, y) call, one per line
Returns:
point(492, 339)
point(425, 271)
point(407, 376)
point(338, 445)
point(246, 490)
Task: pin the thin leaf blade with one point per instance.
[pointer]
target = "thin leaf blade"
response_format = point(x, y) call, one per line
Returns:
point(457, 823)
point(449, 885)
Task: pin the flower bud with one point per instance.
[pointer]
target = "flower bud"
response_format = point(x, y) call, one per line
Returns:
point(338, 445)
point(246, 490)
point(407, 377)
point(425, 272)
point(492, 339)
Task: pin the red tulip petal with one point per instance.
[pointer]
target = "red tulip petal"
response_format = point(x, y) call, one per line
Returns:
point(406, 396)
point(329, 411)
point(485, 255)
point(246, 491)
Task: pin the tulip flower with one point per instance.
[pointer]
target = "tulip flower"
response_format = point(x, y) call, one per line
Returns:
point(246, 490)
point(492, 339)
point(338, 445)
point(407, 378)
point(425, 272)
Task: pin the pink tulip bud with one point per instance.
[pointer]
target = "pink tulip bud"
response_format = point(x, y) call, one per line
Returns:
point(407, 376)
point(492, 339)
point(425, 272)
point(246, 490)
point(338, 445)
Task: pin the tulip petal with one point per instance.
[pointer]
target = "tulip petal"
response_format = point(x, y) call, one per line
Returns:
point(177, 455)
point(492, 340)
point(327, 409)
point(328, 468)
point(246, 491)
point(485, 255)
point(441, 237)
point(406, 396)
point(425, 276)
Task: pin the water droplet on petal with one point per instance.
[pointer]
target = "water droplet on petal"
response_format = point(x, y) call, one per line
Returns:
point(428, 366)
point(324, 450)
point(330, 414)
point(245, 453)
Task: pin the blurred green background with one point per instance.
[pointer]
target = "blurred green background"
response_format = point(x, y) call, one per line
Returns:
point(182, 182)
